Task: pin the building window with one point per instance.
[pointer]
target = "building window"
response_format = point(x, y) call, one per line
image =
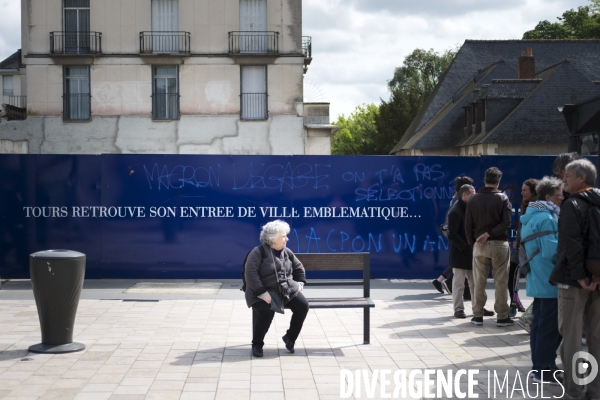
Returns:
point(76, 26)
point(253, 26)
point(165, 26)
point(165, 93)
point(7, 85)
point(76, 97)
point(254, 93)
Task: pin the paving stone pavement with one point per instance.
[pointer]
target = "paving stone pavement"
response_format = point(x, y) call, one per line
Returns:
point(200, 349)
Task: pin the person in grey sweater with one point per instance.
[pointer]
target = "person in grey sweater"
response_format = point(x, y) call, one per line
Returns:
point(264, 274)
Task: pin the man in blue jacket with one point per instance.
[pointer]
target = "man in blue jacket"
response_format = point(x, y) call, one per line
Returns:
point(539, 237)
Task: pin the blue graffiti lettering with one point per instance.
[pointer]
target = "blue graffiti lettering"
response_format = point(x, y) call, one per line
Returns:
point(345, 238)
point(424, 172)
point(428, 242)
point(327, 241)
point(375, 193)
point(278, 176)
point(338, 240)
point(376, 245)
point(407, 244)
point(313, 236)
point(394, 172)
point(181, 175)
point(353, 176)
point(443, 242)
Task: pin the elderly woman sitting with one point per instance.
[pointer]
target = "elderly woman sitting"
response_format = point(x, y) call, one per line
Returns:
point(264, 275)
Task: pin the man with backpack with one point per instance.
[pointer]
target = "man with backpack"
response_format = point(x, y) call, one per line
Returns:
point(578, 299)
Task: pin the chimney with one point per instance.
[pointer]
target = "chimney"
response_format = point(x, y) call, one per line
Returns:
point(526, 67)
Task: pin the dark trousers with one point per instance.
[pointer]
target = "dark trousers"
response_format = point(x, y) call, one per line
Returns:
point(262, 316)
point(511, 281)
point(544, 335)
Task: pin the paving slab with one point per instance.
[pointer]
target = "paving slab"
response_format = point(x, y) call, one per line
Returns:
point(184, 345)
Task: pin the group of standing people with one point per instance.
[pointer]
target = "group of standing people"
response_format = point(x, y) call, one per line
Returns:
point(554, 238)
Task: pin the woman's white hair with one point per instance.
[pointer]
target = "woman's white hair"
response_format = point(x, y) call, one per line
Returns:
point(271, 230)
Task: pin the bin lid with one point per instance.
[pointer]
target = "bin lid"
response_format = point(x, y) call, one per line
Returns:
point(58, 254)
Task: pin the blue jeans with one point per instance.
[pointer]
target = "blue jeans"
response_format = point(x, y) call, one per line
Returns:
point(544, 336)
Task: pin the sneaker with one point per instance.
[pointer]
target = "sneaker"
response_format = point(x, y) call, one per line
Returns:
point(512, 312)
point(505, 322)
point(488, 313)
point(460, 314)
point(257, 351)
point(477, 320)
point(437, 284)
point(448, 285)
point(549, 378)
point(288, 344)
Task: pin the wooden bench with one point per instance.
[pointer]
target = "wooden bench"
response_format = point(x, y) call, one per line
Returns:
point(342, 262)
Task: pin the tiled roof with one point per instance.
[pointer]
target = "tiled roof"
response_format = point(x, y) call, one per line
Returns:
point(12, 62)
point(583, 56)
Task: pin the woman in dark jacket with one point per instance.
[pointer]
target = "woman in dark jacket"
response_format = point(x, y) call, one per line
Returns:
point(461, 253)
point(263, 277)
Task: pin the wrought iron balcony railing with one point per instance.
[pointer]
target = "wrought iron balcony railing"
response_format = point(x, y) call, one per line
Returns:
point(173, 42)
point(16, 109)
point(307, 46)
point(73, 43)
point(253, 106)
point(165, 106)
point(76, 106)
point(253, 42)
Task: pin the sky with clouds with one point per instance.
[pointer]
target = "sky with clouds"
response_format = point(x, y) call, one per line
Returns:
point(358, 43)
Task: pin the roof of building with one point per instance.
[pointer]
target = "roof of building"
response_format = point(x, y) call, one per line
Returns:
point(12, 62)
point(491, 67)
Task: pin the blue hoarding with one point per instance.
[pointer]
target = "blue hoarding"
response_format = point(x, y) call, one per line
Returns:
point(196, 216)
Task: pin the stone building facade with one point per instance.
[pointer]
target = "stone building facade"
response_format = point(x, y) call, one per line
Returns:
point(164, 76)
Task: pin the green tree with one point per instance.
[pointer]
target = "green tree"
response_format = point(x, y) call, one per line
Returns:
point(410, 87)
point(356, 132)
point(373, 129)
point(583, 23)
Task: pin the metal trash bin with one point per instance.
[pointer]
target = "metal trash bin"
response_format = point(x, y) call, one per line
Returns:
point(57, 278)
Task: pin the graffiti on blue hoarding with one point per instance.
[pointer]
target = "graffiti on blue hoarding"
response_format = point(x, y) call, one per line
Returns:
point(279, 176)
point(376, 193)
point(181, 175)
point(200, 214)
point(341, 241)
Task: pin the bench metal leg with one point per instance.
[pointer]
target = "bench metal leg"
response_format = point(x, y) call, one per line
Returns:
point(367, 326)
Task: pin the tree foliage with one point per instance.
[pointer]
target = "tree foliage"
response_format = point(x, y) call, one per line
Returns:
point(356, 132)
point(583, 23)
point(373, 129)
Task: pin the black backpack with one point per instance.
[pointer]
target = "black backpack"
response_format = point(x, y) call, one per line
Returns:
point(262, 255)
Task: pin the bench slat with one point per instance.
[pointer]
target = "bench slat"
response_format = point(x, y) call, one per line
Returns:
point(358, 302)
point(332, 261)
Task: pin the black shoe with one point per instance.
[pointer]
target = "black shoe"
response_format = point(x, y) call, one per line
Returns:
point(477, 321)
point(288, 344)
point(448, 285)
point(438, 286)
point(505, 322)
point(257, 351)
point(488, 313)
point(460, 314)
